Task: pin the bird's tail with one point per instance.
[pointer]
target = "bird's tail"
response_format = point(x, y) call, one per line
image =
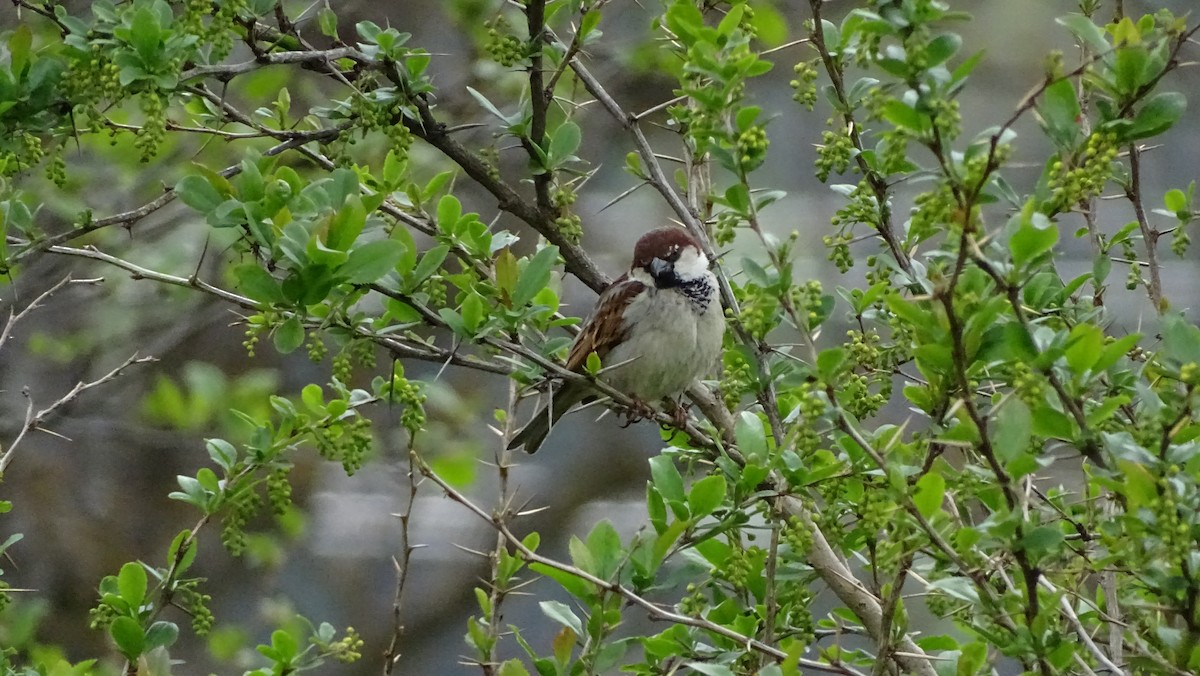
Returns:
point(534, 433)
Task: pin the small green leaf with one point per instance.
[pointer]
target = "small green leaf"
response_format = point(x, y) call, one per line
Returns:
point(535, 276)
point(129, 637)
point(592, 364)
point(146, 35)
point(1042, 539)
point(258, 284)
point(347, 224)
point(573, 584)
point(666, 478)
point(1181, 339)
point(904, 116)
point(1012, 429)
point(132, 583)
point(751, 437)
point(561, 613)
point(564, 143)
point(1036, 235)
point(19, 49)
point(161, 634)
point(449, 213)
point(473, 314)
point(1157, 115)
point(289, 335)
point(1086, 31)
point(327, 22)
point(931, 490)
point(1084, 347)
point(371, 261)
point(199, 194)
point(1060, 113)
point(313, 398)
point(746, 116)
point(1141, 488)
point(222, 452)
point(706, 495)
point(429, 263)
point(514, 667)
point(604, 544)
point(941, 48)
point(829, 364)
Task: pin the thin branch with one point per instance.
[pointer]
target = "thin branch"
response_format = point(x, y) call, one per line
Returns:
point(391, 656)
point(34, 421)
point(655, 611)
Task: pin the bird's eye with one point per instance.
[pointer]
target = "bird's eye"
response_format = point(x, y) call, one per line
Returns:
point(674, 255)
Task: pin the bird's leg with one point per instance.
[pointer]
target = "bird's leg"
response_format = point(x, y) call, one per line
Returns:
point(639, 410)
point(679, 412)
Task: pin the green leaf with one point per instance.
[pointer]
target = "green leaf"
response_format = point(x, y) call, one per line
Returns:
point(706, 495)
point(941, 48)
point(19, 49)
point(514, 667)
point(564, 143)
point(1053, 424)
point(1158, 115)
point(904, 116)
point(1060, 113)
point(129, 637)
point(1181, 339)
point(289, 335)
point(1042, 539)
point(347, 224)
point(146, 35)
point(561, 613)
point(199, 194)
point(258, 284)
point(666, 478)
point(1036, 235)
point(535, 276)
point(327, 22)
point(829, 364)
point(575, 586)
point(473, 312)
point(751, 437)
point(930, 491)
point(1011, 429)
point(449, 213)
point(592, 364)
point(1141, 488)
point(1086, 31)
point(222, 452)
point(371, 261)
point(429, 263)
point(1084, 346)
point(746, 116)
point(189, 555)
point(605, 546)
point(161, 634)
point(131, 582)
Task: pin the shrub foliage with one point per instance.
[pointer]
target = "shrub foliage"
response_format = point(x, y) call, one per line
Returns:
point(1030, 495)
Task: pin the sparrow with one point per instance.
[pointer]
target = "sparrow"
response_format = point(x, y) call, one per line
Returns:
point(656, 329)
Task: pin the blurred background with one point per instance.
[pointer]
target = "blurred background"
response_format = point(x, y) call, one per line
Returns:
point(96, 496)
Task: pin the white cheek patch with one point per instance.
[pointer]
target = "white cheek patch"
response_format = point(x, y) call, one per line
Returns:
point(691, 264)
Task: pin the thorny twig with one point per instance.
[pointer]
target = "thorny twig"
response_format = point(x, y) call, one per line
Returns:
point(35, 421)
point(655, 611)
point(391, 656)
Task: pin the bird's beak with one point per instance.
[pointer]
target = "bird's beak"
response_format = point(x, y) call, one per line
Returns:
point(659, 268)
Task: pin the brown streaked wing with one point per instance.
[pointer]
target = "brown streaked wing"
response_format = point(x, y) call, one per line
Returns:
point(606, 327)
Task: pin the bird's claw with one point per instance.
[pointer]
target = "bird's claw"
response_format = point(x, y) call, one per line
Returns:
point(638, 411)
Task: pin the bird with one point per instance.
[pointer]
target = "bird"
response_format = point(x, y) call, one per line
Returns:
point(657, 329)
